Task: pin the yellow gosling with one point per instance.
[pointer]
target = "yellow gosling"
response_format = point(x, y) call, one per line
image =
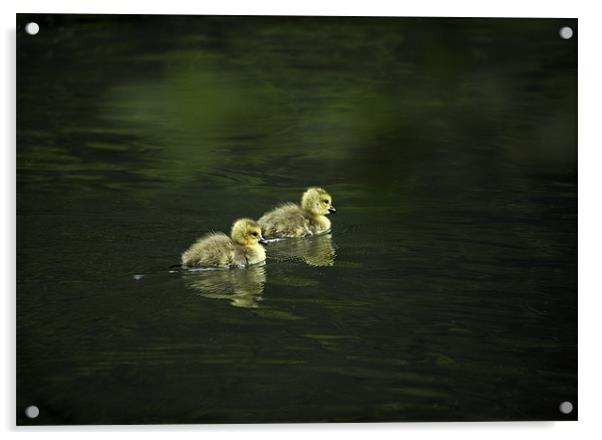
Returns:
point(291, 220)
point(242, 248)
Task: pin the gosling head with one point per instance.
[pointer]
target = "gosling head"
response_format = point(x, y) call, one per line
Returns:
point(246, 232)
point(317, 201)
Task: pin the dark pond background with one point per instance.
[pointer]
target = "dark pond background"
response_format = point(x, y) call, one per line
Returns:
point(446, 291)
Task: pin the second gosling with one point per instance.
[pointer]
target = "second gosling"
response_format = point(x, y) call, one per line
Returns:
point(291, 220)
point(242, 248)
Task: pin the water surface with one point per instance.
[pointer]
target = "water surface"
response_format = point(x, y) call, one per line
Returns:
point(447, 289)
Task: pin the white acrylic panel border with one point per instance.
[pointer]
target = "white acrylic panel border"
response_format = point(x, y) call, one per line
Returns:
point(590, 211)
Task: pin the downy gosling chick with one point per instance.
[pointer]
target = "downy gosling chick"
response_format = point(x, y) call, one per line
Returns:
point(242, 248)
point(291, 220)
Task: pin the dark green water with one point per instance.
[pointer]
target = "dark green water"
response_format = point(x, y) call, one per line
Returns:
point(446, 291)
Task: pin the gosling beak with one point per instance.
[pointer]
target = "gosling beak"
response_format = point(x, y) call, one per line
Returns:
point(263, 241)
point(332, 209)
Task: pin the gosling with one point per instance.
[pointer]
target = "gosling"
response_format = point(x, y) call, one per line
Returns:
point(291, 220)
point(242, 248)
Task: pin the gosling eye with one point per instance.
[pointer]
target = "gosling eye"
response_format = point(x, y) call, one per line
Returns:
point(254, 234)
point(326, 201)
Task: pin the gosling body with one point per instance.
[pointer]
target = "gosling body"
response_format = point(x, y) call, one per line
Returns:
point(292, 220)
point(242, 248)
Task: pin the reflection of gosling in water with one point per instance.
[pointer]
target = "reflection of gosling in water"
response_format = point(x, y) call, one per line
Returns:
point(315, 251)
point(242, 248)
point(290, 220)
point(242, 288)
